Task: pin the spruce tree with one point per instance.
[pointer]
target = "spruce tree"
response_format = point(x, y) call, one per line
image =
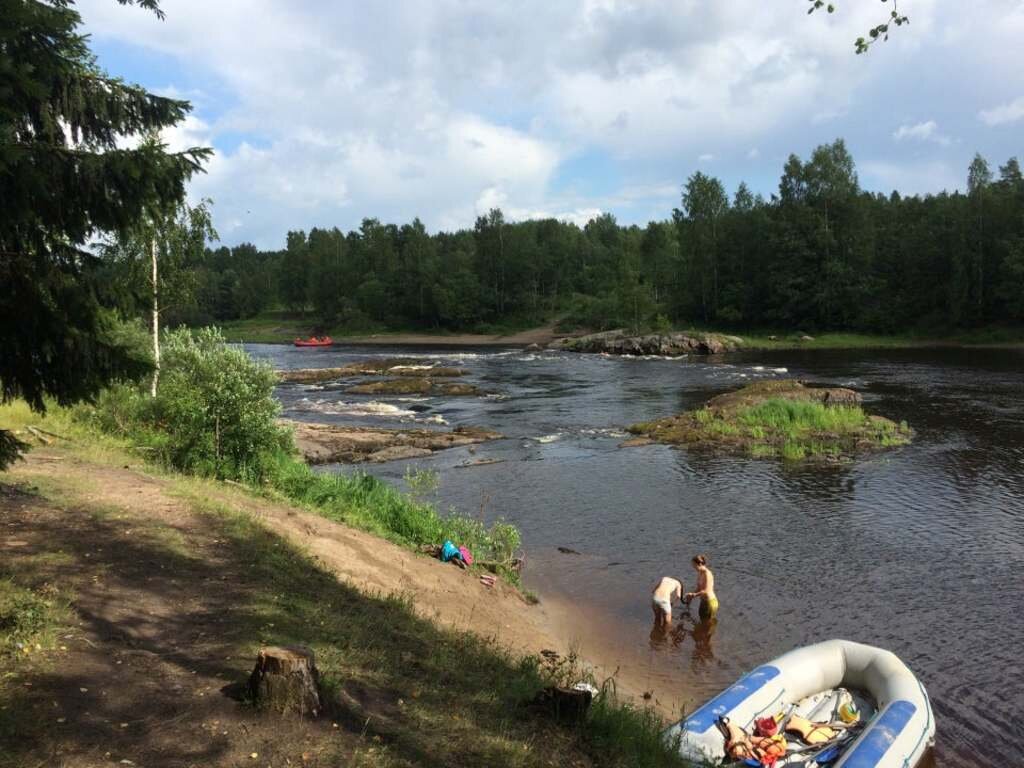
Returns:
point(67, 177)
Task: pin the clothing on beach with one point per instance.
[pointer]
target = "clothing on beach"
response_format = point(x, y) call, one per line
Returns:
point(448, 551)
point(664, 604)
point(708, 608)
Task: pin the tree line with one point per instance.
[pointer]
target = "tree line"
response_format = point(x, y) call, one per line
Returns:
point(820, 254)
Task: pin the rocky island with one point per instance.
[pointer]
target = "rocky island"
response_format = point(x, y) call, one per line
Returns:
point(783, 418)
point(391, 366)
point(674, 344)
point(330, 444)
point(399, 376)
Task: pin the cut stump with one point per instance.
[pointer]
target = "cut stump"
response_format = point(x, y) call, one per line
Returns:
point(285, 679)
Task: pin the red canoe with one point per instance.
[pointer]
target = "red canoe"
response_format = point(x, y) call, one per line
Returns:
point(320, 341)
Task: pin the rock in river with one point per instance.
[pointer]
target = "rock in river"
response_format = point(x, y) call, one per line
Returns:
point(662, 344)
point(393, 366)
point(329, 443)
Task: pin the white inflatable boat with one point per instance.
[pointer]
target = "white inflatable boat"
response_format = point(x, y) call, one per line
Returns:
point(894, 726)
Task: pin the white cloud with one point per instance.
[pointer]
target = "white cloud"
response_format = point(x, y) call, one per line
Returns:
point(1010, 112)
point(910, 178)
point(326, 113)
point(926, 131)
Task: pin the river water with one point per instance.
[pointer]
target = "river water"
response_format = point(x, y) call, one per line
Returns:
point(919, 550)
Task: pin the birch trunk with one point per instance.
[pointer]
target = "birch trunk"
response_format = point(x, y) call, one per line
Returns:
point(156, 320)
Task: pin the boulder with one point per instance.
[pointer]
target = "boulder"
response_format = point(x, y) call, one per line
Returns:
point(331, 443)
point(661, 344)
point(396, 452)
point(400, 386)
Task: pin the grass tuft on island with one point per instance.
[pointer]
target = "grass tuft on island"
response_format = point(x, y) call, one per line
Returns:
point(782, 418)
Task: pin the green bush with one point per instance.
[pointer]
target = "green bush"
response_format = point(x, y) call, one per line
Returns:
point(214, 413)
point(216, 405)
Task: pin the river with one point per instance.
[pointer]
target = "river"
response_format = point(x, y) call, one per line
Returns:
point(919, 550)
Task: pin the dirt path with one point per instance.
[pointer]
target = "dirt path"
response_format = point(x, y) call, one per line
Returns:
point(540, 336)
point(159, 636)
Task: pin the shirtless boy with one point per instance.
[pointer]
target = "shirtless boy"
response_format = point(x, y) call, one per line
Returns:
point(661, 599)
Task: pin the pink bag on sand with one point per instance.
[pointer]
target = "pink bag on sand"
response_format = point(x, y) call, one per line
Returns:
point(467, 556)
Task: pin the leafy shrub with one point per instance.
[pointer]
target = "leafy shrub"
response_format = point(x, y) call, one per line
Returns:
point(216, 406)
point(11, 448)
point(214, 413)
point(661, 324)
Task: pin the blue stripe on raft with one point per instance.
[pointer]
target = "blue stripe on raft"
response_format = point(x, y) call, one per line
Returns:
point(704, 718)
point(881, 735)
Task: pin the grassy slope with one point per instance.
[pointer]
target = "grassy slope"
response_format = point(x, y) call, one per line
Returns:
point(448, 697)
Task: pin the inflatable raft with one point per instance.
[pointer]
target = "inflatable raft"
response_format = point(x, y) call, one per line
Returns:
point(314, 341)
point(894, 725)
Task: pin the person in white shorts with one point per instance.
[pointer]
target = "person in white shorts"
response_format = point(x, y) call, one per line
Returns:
point(661, 599)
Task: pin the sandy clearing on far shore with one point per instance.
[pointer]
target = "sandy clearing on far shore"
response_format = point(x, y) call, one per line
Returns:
point(540, 336)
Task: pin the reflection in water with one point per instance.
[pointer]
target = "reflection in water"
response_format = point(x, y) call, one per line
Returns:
point(666, 637)
point(702, 633)
point(919, 550)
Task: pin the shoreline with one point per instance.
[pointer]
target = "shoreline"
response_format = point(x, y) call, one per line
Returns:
point(437, 591)
point(546, 335)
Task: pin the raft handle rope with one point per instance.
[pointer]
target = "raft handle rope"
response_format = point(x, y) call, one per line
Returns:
point(927, 724)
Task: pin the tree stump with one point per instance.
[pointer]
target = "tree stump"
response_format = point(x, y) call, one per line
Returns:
point(285, 679)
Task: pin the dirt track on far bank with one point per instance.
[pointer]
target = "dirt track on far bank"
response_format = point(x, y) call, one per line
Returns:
point(540, 336)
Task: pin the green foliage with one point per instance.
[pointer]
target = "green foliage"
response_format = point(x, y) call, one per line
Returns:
point(64, 178)
point(422, 483)
point(11, 448)
point(877, 32)
point(626, 735)
point(29, 617)
point(180, 237)
point(216, 407)
point(214, 413)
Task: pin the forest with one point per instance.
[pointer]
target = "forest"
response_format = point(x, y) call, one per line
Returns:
point(820, 254)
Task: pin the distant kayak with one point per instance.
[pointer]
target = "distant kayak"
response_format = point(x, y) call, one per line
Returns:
point(314, 341)
point(836, 703)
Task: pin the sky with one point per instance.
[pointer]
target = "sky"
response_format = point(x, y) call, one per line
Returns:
point(324, 113)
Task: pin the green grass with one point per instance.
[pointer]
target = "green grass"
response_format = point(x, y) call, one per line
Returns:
point(30, 617)
point(797, 429)
point(793, 418)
